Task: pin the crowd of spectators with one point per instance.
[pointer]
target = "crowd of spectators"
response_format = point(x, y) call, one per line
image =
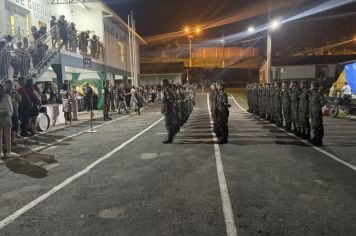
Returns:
point(24, 56)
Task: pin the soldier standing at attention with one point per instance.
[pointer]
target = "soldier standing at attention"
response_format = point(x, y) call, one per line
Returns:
point(277, 104)
point(294, 97)
point(304, 97)
point(267, 104)
point(271, 104)
point(286, 105)
point(316, 102)
point(222, 113)
point(167, 110)
point(212, 99)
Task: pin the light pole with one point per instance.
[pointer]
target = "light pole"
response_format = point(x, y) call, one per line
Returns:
point(271, 26)
point(190, 34)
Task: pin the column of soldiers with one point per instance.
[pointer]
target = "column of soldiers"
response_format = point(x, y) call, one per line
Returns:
point(219, 107)
point(295, 107)
point(178, 101)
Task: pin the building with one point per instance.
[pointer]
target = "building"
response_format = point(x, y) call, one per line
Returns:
point(324, 69)
point(112, 56)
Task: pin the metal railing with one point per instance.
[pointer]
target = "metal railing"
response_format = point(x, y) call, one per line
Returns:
point(40, 51)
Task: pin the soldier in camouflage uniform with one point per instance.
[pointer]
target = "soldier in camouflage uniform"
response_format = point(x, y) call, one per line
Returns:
point(168, 110)
point(294, 97)
point(277, 104)
point(267, 103)
point(222, 106)
point(256, 109)
point(212, 99)
point(286, 105)
point(271, 105)
point(316, 102)
point(248, 95)
point(304, 97)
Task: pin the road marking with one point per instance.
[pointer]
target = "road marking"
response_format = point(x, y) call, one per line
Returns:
point(352, 167)
point(66, 182)
point(225, 198)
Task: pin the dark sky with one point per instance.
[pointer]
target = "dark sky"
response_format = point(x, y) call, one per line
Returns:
point(163, 16)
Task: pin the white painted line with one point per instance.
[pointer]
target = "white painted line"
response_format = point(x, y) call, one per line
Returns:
point(332, 156)
point(225, 198)
point(66, 182)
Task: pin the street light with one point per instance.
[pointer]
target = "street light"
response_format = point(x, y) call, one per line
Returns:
point(275, 24)
point(190, 34)
point(272, 26)
point(251, 29)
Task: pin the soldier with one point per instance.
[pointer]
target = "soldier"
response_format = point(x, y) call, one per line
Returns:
point(266, 98)
point(107, 100)
point(255, 109)
point(248, 96)
point(277, 104)
point(222, 113)
point(304, 97)
point(294, 97)
point(212, 99)
point(271, 104)
point(286, 105)
point(316, 102)
point(167, 110)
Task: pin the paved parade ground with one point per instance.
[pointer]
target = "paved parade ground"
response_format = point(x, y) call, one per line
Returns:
point(122, 180)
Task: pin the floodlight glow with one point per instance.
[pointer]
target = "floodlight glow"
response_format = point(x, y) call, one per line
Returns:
point(275, 24)
point(251, 29)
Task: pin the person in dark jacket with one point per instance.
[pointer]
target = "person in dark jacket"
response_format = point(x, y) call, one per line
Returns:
point(222, 107)
point(35, 98)
point(25, 106)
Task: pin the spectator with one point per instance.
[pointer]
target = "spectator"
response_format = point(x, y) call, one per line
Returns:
point(37, 50)
point(54, 31)
point(133, 101)
point(25, 106)
point(3, 61)
point(72, 37)
point(18, 61)
point(67, 98)
point(62, 25)
point(15, 98)
point(6, 111)
point(42, 31)
point(121, 99)
point(35, 98)
point(88, 93)
point(33, 31)
point(346, 91)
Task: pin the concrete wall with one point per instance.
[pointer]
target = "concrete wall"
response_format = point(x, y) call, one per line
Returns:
point(154, 80)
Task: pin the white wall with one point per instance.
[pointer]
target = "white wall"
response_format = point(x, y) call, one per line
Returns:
point(85, 19)
point(297, 72)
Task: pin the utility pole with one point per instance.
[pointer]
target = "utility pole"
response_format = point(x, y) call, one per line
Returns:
point(223, 51)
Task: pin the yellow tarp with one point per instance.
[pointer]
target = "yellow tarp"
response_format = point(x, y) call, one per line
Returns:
point(341, 81)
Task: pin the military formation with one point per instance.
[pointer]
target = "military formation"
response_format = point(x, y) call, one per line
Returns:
point(177, 105)
point(219, 108)
point(297, 107)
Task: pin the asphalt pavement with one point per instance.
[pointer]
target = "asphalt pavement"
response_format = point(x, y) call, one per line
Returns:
point(122, 180)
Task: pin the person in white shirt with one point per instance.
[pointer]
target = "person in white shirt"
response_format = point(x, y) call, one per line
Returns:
point(346, 91)
point(6, 111)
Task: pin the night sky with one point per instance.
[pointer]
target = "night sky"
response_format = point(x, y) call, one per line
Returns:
point(163, 16)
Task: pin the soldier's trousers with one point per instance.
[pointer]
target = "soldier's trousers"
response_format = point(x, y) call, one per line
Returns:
point(287, 117)
point(278, 116)
point(304, 124)
point(295, 120)
point(106, 108)
point(317, 126)
point(169, 120)
point(223, 128)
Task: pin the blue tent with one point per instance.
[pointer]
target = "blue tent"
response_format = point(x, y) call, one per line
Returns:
point(350, 71)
